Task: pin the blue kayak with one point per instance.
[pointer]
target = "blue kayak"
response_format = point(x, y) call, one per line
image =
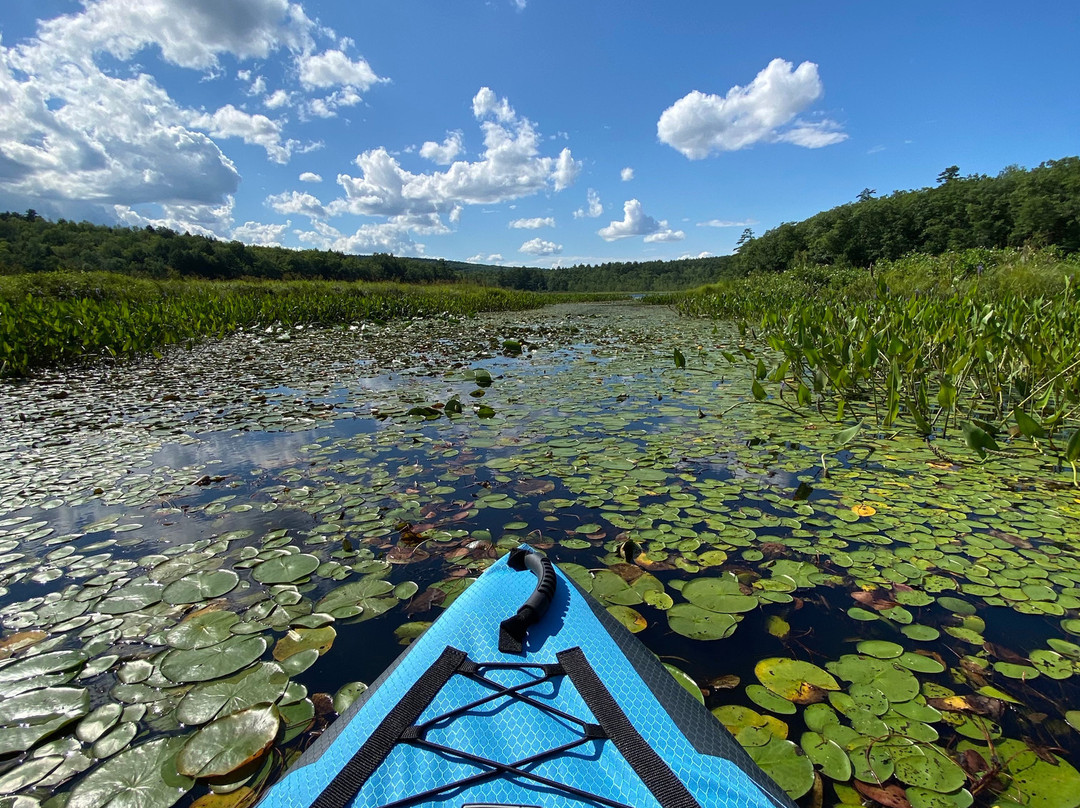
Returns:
point(526, 692)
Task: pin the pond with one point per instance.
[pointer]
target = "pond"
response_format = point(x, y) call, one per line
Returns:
point(270, 517)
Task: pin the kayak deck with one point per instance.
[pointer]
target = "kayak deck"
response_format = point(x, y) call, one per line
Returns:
point(584, 716)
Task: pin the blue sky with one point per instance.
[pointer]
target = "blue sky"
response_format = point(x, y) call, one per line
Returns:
point(535, 132)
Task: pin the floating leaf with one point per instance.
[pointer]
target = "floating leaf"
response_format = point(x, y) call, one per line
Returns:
point(700, 624)
point(203, 664)
point(206, 701)
point(286, 569)
point(795, 680)
point(200, 587)
point(28, 717)
point(686, 681)
point(303, 639)
point(827, 755)
point(629, 617)
point(229, 743)
point(144, 776)
point(786, 764)
point(346, 695)
point(202, 630)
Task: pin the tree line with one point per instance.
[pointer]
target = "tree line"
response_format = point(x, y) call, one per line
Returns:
point(1039, 207)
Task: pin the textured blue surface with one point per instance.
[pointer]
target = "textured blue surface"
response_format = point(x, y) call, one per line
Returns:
point(506, 730)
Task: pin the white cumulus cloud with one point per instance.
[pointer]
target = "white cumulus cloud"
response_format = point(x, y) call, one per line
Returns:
point(296, 202)
point(333, 68)
point(594, 207)
point(635, 222)
point(699, 124)
point(310, 176)
point(532, 224)
point(510, 167)
point(627, 174)
point(480, 258)
point(538, 246)
point(262, 235)
point(445, 152)
point(254, 129)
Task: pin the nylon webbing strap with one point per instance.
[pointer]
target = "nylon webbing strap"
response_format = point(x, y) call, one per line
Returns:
point(643, 759)
point(347, 783)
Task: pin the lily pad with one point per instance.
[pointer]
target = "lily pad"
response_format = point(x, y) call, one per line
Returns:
point(229, 743)
point(346, 695)
point(827, 755)
point(200, 587)
point(303, 639)
point(786, 764)
point(700, 624)
point(28, 717)
point(202, 630)
point(206, 701)
point(144, 776)
point(792, 679)
point(202, 664)
point(286, 569)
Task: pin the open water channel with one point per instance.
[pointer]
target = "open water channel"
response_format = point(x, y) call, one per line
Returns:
point(204, 557)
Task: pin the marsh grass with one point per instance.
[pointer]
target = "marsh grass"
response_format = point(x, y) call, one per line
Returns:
point(52, 318)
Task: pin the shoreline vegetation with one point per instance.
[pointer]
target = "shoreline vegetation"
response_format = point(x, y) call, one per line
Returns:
point(982, 341)
point(55, 318)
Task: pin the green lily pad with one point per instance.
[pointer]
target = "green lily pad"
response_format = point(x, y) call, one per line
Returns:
point(786, 764)
point(346, 695)
point(686, 681)
point(920, 633)
point(925, 798)
point(131, 598)
point(880, 649)
point(794, 680)
point(97, 723)
point(202, 664)
point(700, 624)
point(286, 569)
point(919, 663)
point(1051, 664)
point(144, 776)
point(229, 743)
point(629, 617)
point(826, 755)
point(202, 630)
point(927, 767)
point(737, 719)
point(303, 639)
point(1035, 782)
point(360, 593)
point(264, 682)
point(1015, 671)
point(768, 700)
point(28, 717)
point(721, 594)
point(200, 587)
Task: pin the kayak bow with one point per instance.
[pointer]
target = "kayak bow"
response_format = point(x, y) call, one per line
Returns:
point(554, 705)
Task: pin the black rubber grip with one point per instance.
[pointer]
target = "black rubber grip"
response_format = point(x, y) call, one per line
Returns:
point(512, 630)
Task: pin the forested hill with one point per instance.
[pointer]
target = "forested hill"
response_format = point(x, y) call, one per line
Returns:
point(1038, 207)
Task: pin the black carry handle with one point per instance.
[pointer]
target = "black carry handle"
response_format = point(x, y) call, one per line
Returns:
point(512, 630)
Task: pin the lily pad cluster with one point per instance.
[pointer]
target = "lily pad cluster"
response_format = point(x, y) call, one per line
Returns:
point(184, 541)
